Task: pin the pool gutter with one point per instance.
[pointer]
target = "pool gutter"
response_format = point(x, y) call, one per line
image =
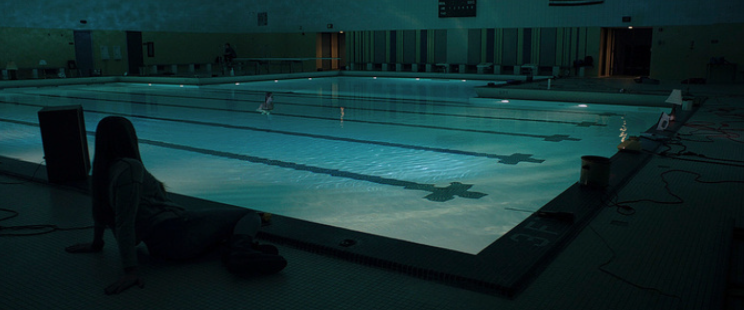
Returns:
point(625, 98)
point(202, 81)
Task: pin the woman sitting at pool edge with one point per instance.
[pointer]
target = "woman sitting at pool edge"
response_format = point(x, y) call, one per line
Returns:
point(134, 204)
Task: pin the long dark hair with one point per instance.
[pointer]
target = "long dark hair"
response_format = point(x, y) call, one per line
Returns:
point(115, 139)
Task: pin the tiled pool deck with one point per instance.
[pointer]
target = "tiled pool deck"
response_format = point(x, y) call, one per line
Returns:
point(669, 250)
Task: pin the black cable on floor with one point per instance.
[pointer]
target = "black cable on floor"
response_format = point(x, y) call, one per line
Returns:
point(669, 191)
point(677, 156)
point(624, 209)
point(602, 268)
point(29, 230)
point(32, 176)
point(621, 209)
point(706, 162)
point(723, 130)
point(33, 230)
point(708, 157)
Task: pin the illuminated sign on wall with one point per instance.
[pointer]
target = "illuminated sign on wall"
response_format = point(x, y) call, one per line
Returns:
point(456, 8)
point(574, 2)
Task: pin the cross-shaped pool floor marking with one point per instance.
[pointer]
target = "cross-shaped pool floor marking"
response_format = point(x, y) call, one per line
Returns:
point(516, 158)
point(589, 124)
point(438, 194)
point(559, 138)
point(442, 194)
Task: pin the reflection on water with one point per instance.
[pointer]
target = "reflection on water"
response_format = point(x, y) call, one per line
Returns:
point(409, 159)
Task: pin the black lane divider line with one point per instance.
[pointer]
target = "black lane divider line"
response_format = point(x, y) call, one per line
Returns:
point(438, 194)
point(438, 103)
point(512, 159)
point(580, 124)
point(365, 98)
point(457, 104)
point(374, 99)
point(19, 122)
point(447, 103)
point(552, 138)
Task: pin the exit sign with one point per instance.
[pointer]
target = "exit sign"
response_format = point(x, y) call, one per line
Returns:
point(456, 8)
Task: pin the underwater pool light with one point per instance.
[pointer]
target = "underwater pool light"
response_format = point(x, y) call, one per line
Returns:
point(237, 83)
point(583, 106)
point(504, 101)
point(276, 81)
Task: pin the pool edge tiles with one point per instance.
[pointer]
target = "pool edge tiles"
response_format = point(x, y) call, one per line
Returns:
point(506, 267)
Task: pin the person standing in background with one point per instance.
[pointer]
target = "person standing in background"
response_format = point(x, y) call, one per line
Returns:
point(229, 55)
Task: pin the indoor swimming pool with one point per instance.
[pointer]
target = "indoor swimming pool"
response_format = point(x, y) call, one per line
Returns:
point(419, 160)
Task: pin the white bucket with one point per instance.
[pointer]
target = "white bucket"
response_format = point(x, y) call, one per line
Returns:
point(595, 171)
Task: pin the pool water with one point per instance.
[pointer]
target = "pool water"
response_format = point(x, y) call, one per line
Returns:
point(412, 159)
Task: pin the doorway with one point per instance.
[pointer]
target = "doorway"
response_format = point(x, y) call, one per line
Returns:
point(626, 51)
point(330, 45)
point(134, 52)
point(83, 53)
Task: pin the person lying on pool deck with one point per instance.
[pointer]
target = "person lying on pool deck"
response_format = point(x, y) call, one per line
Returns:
point(134, 204)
